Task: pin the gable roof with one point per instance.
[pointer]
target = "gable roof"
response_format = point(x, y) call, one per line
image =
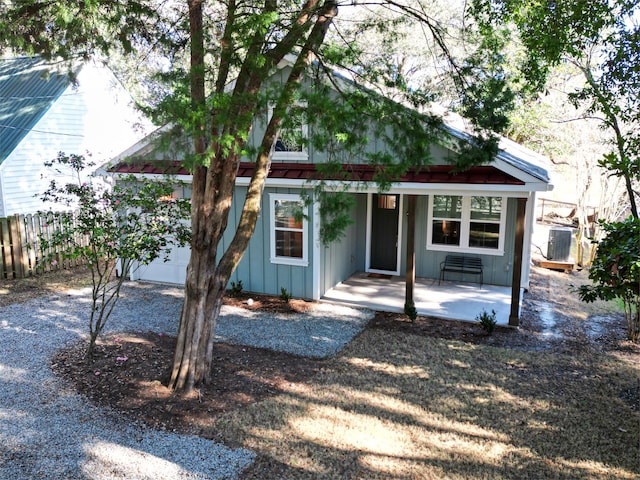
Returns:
point(511, 153)
point(514, 164)
point(28, 88)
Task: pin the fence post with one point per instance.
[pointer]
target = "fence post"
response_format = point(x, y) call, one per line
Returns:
point(5, 238)
point(24, 245)
point(30, 241)
point(16, 241)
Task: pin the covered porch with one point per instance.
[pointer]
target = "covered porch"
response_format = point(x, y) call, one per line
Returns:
point(450, 300)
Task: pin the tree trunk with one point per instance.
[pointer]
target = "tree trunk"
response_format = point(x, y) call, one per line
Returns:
point(213, 187)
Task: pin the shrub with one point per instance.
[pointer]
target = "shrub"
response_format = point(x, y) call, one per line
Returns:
point(487, 321)
point(114, 231)
point(285, 295)
point(410, 311)
point(615, 271)
point(236, 288)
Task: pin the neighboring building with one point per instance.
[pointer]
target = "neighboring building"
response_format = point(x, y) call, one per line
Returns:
point(476, 213)
point(46, 109)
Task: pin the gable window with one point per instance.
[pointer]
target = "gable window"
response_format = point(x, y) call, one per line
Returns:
point(466, 224)
point(292, 137)
point(289, 230)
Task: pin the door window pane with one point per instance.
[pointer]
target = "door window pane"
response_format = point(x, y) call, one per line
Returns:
point(387, 202)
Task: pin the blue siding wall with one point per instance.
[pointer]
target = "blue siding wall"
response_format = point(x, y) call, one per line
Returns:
point(255, 270)
point(497, 269)
point(343, 258)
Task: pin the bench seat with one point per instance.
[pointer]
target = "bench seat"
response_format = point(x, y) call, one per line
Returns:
point(461, 264)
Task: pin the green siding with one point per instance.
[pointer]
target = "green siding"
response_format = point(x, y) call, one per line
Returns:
point(339, 260)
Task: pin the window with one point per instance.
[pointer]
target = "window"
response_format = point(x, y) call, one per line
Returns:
point(292, 137)
point(484, 227)
point(387, 202)
point(289, 230)
point(466, 223)
point(447, 213)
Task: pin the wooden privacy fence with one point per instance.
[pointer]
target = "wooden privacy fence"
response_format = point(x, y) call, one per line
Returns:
point(22, 252)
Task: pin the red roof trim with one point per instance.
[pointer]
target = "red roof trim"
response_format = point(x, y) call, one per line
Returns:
point(488, 175)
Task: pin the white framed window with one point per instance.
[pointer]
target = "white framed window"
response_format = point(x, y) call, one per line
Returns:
point(292, 137)
point(473, 223)
point(289, 230)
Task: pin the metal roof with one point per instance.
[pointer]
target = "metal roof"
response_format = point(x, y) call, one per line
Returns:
point(516, 155)
point(481, 175)
point(28, 88)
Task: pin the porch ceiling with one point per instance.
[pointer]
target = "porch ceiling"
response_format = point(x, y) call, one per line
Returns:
point(450, 300)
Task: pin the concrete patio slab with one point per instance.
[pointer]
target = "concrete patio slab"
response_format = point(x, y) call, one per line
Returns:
point(450, 300)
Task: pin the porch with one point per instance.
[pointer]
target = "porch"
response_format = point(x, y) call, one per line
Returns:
point(450, 300)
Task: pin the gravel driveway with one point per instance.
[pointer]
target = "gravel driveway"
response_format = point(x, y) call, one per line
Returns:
point(50, 432)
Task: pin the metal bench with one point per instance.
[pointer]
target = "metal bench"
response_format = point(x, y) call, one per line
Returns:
point(461, 264)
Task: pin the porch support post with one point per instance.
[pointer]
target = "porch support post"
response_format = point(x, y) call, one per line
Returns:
point(516, 281)
point(410, 275)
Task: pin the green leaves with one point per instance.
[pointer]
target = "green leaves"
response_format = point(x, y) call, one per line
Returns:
point(113, 230)
point(72, 29)
point(601, 38)
point(134, 221)
point(616, 271)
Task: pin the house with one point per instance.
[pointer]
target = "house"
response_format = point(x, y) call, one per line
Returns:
point(485, 213)
point(47, 108)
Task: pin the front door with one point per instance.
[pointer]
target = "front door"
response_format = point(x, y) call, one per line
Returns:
point(384, 233)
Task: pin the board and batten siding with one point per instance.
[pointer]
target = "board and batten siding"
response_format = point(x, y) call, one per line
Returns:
point(498, 269)
point(375, 143)
point(255, 270)
point(342, 258)
point(96, 116)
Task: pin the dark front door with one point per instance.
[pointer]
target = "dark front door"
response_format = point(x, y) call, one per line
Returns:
point(384, 232)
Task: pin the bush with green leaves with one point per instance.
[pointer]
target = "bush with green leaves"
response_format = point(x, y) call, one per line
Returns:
point(487, 321)
point(236, 288)
point(411, 311)
point(615, 271)
point(113, 230)
point(285, 295)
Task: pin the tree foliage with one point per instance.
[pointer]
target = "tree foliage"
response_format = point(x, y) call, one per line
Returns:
point(616, 271)
point(113, 231)
point(601, 39)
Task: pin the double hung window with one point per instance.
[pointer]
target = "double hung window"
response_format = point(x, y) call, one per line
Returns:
point(289, 230)
point(466, 223)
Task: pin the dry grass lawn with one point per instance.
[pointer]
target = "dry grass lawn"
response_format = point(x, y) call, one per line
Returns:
point(401, 406)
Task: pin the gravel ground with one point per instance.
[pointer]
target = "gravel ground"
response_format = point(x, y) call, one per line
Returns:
point(50, 432)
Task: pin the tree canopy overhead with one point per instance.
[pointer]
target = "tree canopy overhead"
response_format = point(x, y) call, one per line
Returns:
point(601, 39)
